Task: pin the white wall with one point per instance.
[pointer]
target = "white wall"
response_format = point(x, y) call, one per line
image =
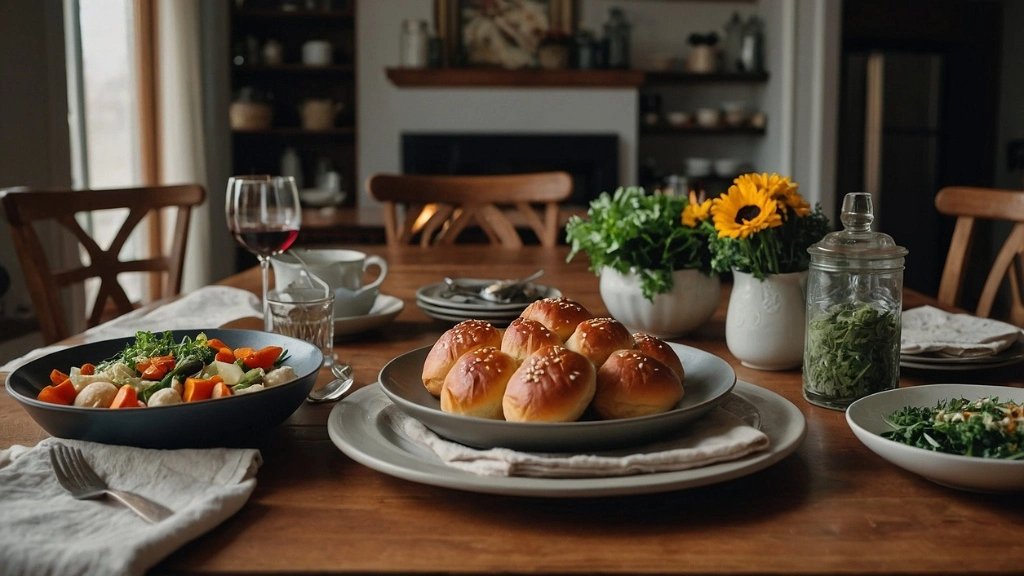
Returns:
point(800, 118)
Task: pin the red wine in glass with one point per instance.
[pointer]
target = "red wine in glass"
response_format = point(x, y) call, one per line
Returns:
point(266, 240)
point(263, 215)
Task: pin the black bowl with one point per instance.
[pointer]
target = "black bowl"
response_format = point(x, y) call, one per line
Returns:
point(225, 422)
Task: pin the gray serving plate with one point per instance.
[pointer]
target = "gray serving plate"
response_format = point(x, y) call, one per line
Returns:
point(708, 380)
point(234, 421)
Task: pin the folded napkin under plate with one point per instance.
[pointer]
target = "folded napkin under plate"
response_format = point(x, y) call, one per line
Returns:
point(45, 531)
point(206, 307)
point(929, 330)
point(716, 437)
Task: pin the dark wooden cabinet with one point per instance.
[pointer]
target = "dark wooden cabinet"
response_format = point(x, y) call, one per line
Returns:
point(267, 39)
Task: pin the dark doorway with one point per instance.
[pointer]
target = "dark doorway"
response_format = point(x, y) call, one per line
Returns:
point(918, 110)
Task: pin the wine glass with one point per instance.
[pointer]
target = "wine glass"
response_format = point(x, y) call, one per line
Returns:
point(263, 215)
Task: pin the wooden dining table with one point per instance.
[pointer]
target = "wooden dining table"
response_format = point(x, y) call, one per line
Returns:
point(832, 506)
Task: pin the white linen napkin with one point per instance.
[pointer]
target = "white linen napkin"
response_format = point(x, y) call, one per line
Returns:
point(44, 531)
point(206, 307)
point(716, 437)
point(927, 329)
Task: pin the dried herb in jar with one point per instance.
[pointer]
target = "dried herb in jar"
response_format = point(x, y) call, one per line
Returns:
point(852, 350)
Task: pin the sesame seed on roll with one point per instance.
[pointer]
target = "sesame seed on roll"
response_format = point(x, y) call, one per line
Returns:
point(524, 337)
point(597, 338)
point(559, 314)
point(461, 338)
point(631, 383)
point(476, 383)
point(554, 384)
point(658, 349)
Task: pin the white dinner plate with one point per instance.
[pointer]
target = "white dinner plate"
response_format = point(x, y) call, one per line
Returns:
point(866, 418)
point(358, 426)
point(384, 310)
point(708, 380)
point(432, 294)
point(455, 313)
point(1012, 355)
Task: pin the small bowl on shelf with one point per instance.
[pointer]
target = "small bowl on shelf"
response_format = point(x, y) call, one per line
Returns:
point(729, 167)
point(698, 167)
point(678, 118)
point(321, 198)
point(708, 117)
point(736, 113)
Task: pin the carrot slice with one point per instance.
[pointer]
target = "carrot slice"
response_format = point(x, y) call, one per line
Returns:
point(199, 388)
point(126, 397)
point(63, 393)
point(243, 353)
point(225, 355)
point(263, 358)
point(156, 367)
point(216, 344)
point(56, 376)
point(87, 369)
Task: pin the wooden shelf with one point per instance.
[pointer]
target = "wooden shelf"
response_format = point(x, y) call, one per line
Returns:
point(334, 16)
point(294, 68)
point(680, 77)
point(288, 131)
point(531, 78)
point(695, 129)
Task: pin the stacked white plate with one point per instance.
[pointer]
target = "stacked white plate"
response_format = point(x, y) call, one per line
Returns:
point(437, 301)
point(1012, 355)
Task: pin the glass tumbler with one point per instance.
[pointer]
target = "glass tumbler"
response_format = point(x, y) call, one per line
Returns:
point(303, 313)
point(854, 308)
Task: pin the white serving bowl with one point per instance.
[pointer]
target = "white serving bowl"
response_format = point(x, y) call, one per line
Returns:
point(728, 167)
point(321, 197)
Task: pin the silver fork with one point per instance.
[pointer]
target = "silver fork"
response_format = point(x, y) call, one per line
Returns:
point(78, 478)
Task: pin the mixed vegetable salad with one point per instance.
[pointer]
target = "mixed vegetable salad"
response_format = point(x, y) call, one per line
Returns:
point(985, 428)
point(155, 370)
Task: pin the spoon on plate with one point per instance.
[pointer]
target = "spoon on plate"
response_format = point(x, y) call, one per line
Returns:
point(500, 291)
point(335, 389)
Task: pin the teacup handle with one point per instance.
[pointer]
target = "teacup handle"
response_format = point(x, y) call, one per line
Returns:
point(380, 263)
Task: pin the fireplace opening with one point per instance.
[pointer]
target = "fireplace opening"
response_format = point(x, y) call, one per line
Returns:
point(591, 159)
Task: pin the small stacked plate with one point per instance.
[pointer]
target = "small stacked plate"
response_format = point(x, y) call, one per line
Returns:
point(437, 301)
point(1012, 355)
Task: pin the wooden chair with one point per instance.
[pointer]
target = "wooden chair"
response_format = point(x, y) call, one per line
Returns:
point(437, 209)
point(25, 207)
point(969, 205)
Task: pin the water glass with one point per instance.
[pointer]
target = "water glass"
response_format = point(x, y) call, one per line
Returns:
point(303, 313)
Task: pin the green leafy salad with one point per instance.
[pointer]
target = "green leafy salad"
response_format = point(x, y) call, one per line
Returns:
point(985, 428)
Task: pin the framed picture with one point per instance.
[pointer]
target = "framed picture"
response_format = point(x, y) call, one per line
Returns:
point(499, 33)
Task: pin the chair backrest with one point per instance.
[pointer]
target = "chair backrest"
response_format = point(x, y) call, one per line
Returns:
point(438, 208)
point(24, 207)
point(969, 205)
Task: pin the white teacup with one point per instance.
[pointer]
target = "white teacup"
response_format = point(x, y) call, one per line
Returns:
point(342, 270)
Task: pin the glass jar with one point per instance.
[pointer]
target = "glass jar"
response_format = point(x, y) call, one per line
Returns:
point(616, 32)
point(854, 306)
point(414, 43)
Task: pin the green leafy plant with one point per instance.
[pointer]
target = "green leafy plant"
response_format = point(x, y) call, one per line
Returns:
point(650, 235)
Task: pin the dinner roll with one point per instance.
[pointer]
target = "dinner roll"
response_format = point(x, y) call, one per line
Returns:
point(631, 383)
point(476, 383)
point(461, 338)
point(597, 338)
point(524, 337)
point(559, 314)
point(658, 349)
point(554, 384)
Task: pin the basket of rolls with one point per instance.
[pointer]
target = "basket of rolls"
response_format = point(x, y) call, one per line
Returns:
point(556, 379)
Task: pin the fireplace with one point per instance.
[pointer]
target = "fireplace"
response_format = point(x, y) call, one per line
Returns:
point(591, 159)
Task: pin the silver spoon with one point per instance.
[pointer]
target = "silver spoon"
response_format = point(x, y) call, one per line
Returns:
point(504, 290)
point(335, 389)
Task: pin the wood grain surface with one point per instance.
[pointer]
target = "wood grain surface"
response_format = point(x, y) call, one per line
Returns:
point(831, 507)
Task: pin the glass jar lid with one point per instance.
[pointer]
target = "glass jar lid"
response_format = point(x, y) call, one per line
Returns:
point(856, 242)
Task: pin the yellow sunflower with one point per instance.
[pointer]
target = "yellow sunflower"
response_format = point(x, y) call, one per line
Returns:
point(745, 209)
point(781, 189)
point(696, 212)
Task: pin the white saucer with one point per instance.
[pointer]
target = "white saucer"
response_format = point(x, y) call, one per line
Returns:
point(384, 310)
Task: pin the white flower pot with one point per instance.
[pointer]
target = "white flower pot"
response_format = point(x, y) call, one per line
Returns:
point(691, 302)
point(764, 326)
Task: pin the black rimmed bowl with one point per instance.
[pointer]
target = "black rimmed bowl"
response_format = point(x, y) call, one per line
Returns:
point(234, 421)
point(709, 379)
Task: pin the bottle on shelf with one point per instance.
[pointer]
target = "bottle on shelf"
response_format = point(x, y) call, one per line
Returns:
point(617, 32)
point(291, 165)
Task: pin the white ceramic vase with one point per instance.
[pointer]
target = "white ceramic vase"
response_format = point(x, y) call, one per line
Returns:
point(764, 325)
point(691, 302)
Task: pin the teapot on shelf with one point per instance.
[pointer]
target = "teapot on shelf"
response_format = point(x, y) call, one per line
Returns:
point(319, 113)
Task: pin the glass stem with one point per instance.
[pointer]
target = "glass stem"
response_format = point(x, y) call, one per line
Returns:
point(264, 271)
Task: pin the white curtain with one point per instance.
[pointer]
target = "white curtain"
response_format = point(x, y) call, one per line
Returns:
point(181, 145)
